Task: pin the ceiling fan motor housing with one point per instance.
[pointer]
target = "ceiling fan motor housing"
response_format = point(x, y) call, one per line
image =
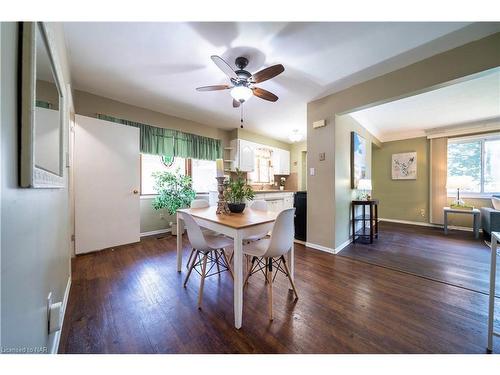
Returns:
point(241, 62)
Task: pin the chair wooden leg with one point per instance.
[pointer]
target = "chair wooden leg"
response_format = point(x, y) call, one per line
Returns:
point(290, 278)
point(269, 266)
point(191, 268)
point(249, 272)
point(202, 281)
point(190, 256)
point(227, 263)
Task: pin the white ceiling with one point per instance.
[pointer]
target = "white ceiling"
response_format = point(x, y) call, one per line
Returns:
point(159, 65)
point(473, 100)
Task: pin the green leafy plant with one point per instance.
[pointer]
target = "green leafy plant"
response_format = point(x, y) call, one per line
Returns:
point(237, 190)
point(174, 191)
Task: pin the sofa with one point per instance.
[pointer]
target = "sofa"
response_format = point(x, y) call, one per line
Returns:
point(490, 219)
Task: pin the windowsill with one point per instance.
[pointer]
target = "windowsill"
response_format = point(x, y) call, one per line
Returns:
point(153, 196)
point(472, 195)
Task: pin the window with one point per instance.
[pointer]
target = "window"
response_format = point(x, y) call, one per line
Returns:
point(201, 171)
point(474, 165)
point(203, 174)
point(156, 163)
point(263, 172)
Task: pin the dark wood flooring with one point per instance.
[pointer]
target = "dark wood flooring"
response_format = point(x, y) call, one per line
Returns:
point(131, 300)
point(457, 258)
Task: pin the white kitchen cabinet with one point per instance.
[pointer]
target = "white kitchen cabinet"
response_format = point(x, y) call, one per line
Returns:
point(242, 155)
point(288, 201)
point(284, 168)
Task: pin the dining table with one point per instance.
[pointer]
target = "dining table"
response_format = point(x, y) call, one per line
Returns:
point(237, 226)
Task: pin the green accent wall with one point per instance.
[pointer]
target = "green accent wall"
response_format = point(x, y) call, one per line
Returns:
point(401, 199)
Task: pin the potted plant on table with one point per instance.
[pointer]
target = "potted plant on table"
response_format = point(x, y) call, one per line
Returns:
point(236, 192)
point(174, 191)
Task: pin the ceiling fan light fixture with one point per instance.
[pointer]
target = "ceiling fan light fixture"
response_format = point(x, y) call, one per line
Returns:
point(241, 93)
point(295, 136)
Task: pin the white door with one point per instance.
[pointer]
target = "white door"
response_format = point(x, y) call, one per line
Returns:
point(106, 161)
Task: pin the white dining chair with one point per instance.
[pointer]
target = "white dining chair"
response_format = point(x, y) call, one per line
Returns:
point(268, 255)
point(197, 203)
point(257, 205)
point(209, 251)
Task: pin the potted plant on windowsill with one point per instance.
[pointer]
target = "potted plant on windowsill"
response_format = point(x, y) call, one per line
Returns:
point(236, 192)
point(174, 191)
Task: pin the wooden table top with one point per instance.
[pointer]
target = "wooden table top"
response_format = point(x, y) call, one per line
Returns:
point(462, 210)
point(246, 219)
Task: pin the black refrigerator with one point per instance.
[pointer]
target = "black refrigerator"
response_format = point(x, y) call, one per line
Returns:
point(300, 204)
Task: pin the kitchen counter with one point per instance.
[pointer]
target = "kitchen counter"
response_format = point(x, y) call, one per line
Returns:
point(273, 191)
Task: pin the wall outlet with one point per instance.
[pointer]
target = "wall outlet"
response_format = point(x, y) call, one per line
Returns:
point(162, 217)
point(422, 212)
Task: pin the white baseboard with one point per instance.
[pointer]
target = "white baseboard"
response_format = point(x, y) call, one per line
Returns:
point(57, 336)
point(424, 224)
point(339, 248)
point(299, 242)
point(155, 232)
point(320, 247)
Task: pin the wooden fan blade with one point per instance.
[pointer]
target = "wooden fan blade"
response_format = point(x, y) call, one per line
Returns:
point(267, 73)
point(264, 94)
point(236, 103)
point(213, 88)
point(224, 66)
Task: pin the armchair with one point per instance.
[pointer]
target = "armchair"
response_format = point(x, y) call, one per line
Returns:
point(490, 219)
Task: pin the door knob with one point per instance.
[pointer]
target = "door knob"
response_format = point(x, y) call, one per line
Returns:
point(135, 191)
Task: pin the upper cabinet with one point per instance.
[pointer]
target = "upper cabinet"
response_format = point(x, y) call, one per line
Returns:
point(243, 157)
point(284, 162)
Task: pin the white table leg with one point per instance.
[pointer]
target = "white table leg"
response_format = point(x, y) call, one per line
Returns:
point(491, 307)
point(179, 244)
point(238, 279)
point(291, 263)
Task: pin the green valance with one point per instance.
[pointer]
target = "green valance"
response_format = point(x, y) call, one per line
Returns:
point(168, 142)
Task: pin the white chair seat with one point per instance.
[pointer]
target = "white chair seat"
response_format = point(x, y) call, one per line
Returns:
point(218, 242)
point(257, 248)
point(256, 237)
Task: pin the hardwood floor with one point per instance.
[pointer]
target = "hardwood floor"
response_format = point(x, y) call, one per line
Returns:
point(457, 258)
point(131, 300)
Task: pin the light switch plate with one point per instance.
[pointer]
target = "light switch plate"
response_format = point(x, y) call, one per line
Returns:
point(312, 171)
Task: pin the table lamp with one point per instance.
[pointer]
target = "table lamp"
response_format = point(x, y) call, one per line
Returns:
point(365, 184)
point(459, 182)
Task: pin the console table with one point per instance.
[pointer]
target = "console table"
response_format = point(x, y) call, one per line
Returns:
point(372, 219)
point(474, 212)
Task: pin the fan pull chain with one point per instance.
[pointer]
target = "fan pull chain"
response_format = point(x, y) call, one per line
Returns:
point(241, 116)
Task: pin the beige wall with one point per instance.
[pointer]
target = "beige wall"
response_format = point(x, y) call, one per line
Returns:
point(402, 199)
point(87, 104)
point(35, 251)
point(344, 125)
point(258, 138)
point(441, 69)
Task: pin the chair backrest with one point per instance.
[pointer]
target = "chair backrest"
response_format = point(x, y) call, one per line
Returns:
point(259, 205)
point(195, 234)
point(199, 203)
point(283, 234)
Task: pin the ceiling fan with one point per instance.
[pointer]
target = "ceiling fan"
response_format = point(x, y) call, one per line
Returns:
point(242, 82)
